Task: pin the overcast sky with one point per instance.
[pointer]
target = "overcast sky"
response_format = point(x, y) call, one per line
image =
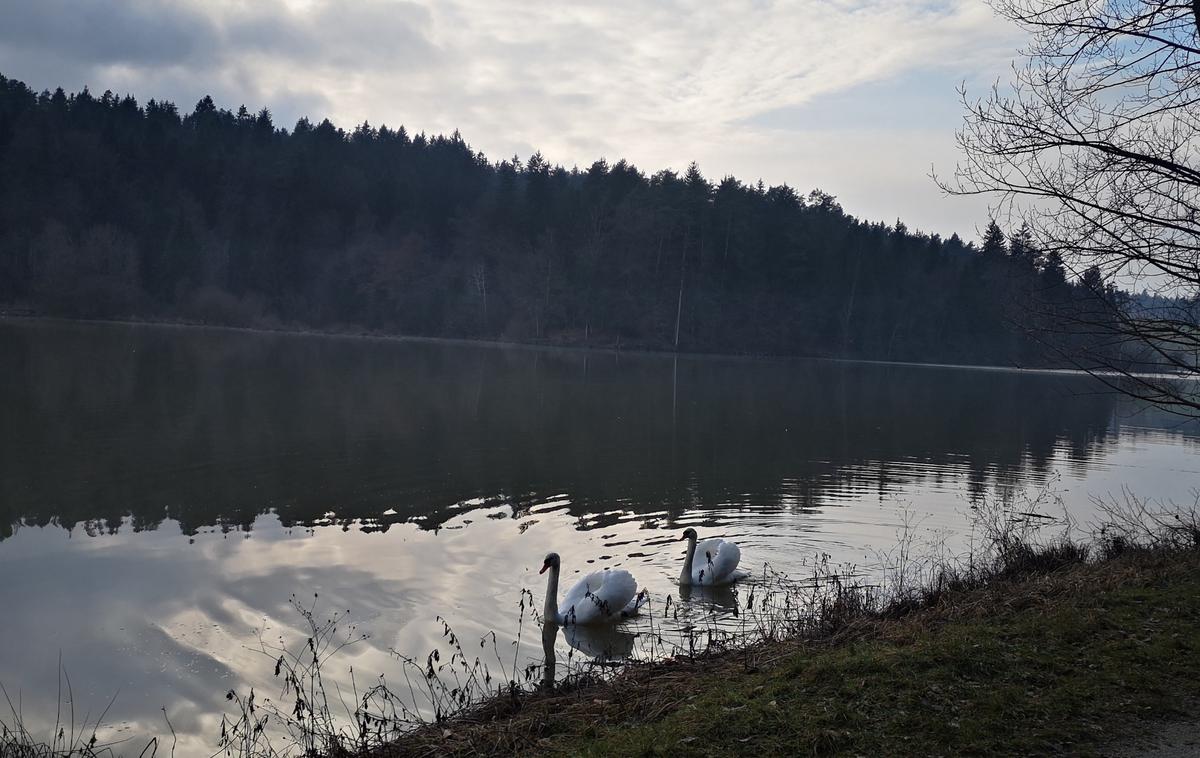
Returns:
point(856, 98)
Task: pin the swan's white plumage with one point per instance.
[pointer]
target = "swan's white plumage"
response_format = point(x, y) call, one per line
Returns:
point(601, 596)
point(715, 562)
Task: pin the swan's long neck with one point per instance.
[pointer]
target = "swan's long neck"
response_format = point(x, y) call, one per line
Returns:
point(685, 576)
point(551, 609)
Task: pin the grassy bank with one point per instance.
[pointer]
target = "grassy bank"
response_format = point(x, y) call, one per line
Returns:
point(1063, 656)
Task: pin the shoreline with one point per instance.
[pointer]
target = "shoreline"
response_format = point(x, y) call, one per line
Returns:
point(1085, 658)
point(615, 350)
point(1031, 646)
point(1026, 648)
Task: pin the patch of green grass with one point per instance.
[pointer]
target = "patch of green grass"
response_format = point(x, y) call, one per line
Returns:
point(1053, 664)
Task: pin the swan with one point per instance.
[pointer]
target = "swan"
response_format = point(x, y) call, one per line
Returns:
point(718, 562)
point(601, 597)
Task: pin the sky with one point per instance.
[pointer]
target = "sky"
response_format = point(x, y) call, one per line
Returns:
point(855, 97)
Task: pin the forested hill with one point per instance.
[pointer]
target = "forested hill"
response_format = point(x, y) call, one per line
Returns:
point(109, 208)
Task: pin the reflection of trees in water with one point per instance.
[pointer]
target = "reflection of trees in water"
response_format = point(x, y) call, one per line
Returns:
point(105, 422)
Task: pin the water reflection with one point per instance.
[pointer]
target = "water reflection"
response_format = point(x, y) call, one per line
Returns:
point(200, 479)
point(549, 655)
point(598, 644)
point(719, 599)
point(217, 427)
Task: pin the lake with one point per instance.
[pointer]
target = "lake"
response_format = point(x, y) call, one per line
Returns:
point(166, 491)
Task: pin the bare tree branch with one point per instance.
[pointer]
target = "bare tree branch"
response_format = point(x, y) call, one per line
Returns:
point(1096, 144)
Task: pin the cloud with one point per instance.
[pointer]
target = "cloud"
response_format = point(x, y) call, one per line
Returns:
point(659, 84)
point(102, 32)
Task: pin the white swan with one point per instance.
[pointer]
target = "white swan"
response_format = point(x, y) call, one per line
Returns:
point(717, 565)
point(601, 597)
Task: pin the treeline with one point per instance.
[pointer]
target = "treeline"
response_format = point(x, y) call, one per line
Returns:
point(109, 208)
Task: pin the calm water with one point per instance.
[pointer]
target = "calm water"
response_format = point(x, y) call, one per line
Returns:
point(165, 491)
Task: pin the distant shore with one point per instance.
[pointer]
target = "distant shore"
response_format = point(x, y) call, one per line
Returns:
point(551, 345)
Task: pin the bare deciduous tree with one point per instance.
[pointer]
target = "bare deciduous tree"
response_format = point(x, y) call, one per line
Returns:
point(1094, 144)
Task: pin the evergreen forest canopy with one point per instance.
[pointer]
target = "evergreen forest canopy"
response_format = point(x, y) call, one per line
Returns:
point(109, 208)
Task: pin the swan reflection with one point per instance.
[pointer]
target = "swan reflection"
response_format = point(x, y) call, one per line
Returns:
point(703, 597)
point(601, 644)
point(549, 636)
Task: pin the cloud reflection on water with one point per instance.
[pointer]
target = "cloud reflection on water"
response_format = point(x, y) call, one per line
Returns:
point(197, 457)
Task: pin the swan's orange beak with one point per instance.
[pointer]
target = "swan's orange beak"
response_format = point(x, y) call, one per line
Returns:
point(544, 567)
